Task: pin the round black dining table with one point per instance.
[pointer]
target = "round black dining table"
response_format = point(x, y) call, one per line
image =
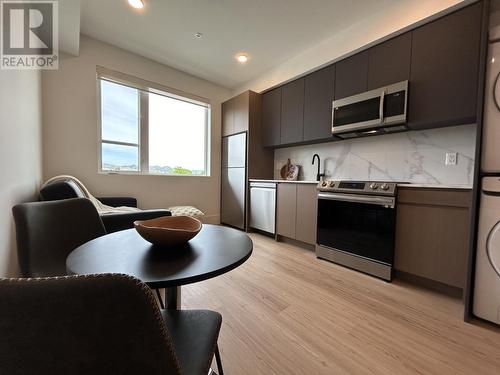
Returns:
point(214, 251)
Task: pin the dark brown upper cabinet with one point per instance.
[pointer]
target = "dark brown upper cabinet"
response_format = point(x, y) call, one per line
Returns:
point(235, 114)
point(351, 75)
point(444, 70)
point(227, 117)
point(240, 109)
point(292, 112)
point(318, 97)
point(271, 117)
point(389, 62)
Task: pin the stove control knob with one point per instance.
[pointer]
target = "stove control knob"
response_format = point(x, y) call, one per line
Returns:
point(373, 186)
point(324, 183)
point(332, 183)
point(384, 187)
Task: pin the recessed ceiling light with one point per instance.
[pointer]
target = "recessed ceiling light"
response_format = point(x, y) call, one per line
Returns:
point(137, 4)
point(242, 58)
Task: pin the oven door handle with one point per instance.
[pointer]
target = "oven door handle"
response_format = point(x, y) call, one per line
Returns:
point(376, 200)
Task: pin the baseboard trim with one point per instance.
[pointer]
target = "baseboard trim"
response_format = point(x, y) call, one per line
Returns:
point(297, 243)
point(433, 285)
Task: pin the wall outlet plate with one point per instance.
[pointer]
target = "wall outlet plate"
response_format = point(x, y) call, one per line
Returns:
point(451, 158)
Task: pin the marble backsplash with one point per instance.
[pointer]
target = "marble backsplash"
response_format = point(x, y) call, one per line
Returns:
point(415, 156)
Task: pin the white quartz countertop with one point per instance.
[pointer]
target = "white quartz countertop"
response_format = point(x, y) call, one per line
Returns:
point(434, 186)
point(408, 185)
point(285, 181)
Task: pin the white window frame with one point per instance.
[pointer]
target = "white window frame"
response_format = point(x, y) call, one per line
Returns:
point(145, 87)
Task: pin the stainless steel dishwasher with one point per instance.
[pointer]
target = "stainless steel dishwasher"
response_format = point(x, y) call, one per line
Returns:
point(263, 206)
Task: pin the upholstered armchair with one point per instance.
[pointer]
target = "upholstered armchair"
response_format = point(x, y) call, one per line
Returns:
point(112, 221)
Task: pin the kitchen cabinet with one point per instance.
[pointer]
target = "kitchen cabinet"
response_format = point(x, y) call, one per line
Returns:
point(286, 209)
point(318, 97)
point(241, 112)
point(296, 212)
point(389, 62)
point(444, 70)
point(432, 228)
point(351, 75)
point(227, 118)
point(292, 112)
point(260, 159)
point(271, 118)
point(235, 114)
point(305, 227)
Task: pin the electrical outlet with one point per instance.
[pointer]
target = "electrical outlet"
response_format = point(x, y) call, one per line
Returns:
point(451, 158)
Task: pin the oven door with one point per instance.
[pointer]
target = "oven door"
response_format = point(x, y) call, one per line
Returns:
point(360, 225)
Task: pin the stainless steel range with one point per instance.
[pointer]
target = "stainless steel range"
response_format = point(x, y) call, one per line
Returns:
point(356, 225)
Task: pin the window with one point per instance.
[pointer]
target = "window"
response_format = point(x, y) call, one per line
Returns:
point(119, 127)
point(147, 131)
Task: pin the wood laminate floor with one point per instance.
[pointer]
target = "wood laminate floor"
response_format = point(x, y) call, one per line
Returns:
point(286, 312)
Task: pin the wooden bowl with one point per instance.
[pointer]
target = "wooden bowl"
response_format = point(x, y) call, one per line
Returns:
point(168, 230)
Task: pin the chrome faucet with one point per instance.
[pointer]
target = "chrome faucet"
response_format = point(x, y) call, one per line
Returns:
point(318, 175)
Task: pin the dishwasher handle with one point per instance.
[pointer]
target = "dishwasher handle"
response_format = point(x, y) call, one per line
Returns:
point(266, 185)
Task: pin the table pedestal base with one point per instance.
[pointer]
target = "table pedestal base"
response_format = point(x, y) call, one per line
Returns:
point(173, 298)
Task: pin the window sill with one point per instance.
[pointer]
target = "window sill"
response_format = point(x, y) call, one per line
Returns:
point(131, 173)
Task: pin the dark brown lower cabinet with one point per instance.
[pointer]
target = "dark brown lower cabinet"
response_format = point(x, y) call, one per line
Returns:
point(307, 213)
point(286, 209)
point(432, 231)
point(296, 212)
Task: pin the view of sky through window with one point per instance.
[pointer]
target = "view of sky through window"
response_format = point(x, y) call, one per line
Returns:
point(120, 113)
point(176, 135)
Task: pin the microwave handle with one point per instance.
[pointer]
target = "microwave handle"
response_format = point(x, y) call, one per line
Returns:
point(381, 107)
point(333, 116)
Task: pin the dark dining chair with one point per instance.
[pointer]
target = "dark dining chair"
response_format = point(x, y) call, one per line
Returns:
point(100, 324)
point(47, 232)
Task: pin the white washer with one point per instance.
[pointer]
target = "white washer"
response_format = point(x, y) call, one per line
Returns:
point(490, 161)
point(487, 280)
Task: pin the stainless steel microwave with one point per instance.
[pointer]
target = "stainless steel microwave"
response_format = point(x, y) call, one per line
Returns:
point(374, 111)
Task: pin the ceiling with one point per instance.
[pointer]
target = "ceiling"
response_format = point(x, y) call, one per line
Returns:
point(270, 31)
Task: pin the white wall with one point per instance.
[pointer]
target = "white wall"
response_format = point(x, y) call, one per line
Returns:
point(20, 154)
point(70, 128)
point(400, 15)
